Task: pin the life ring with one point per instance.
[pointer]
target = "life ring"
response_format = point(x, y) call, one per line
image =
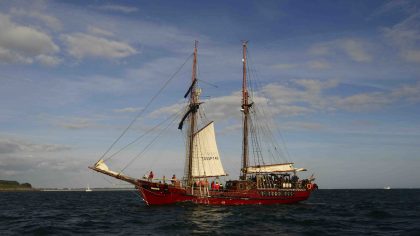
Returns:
point(309, 186)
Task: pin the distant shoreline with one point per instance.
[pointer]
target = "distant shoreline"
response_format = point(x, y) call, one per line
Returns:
point(66, 190)
point(84, 190)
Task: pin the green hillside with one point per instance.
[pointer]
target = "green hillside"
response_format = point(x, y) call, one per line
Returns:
point(14, 185)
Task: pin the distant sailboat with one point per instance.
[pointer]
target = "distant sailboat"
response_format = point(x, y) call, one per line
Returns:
point(387, 187)
point(88, 189)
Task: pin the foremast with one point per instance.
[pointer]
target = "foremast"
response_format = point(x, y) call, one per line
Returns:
point(193, 106)
point(245, 111)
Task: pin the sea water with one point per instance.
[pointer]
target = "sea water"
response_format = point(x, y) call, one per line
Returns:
point(327, 212)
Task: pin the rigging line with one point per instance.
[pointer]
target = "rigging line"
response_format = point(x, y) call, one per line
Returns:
point(148, 145)
point(144, 134)
point(147, 106)
point(286, 153)
point(254, 129)
point(154, 160)
point(275, 142)
point(205, 82)
point(255, 135)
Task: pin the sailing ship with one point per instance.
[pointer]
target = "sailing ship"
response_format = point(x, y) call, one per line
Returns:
point(88, 189)
point(275, 183)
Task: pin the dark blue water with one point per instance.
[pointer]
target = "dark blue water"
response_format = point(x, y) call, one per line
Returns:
point(328, 212)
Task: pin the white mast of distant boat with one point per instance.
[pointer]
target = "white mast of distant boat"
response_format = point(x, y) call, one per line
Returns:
point(88, 189)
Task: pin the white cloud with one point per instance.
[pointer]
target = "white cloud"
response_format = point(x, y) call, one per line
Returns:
point(378, 100)
point(406, 37)
point(410, 93)
point(355, 49)
point(11, 145)
point(8, 56)
point(49, 20)
point(22, 44)
point(300, 125)
point(307, 96)
point(302, 97)
point(363, 102)
point(279, 99)
point(319, 64)
point(319, 49)
point(284, 66)
point(48, 60)
point(172, 109)
point(99, 31)
point(127, 110)
point(117, 8)
point(411, 55)
point(393, 6)
point(76, 124)
point(82, 45)
point(316, 85)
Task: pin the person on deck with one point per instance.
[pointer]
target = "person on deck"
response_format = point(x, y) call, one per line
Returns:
point(150, 176)
point(216, 186)
point(164, 180)
point(212, 185)
point(173, 180)
point(206, 187)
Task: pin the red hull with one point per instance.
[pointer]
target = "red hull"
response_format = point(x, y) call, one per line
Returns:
point(160, 194)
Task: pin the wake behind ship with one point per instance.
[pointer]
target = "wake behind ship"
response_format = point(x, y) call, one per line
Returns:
point(261, 183)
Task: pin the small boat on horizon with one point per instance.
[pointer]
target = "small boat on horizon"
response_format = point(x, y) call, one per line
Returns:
point(387, 187)
point(88, 189)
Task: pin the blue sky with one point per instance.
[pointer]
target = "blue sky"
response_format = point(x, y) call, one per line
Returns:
point(341, 78)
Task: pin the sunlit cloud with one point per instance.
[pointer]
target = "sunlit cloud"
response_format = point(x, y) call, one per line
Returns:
point(22, 44)
point(82, 45)
point(117, 8)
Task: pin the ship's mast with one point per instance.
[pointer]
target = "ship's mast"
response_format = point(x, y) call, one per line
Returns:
point(193, 116)
point(245, 110)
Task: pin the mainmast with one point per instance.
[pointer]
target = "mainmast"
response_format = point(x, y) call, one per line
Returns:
point(194, 104)
point(245, 110)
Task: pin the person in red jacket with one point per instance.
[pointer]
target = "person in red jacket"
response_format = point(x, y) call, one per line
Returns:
point(150, 176)
point(217, 186)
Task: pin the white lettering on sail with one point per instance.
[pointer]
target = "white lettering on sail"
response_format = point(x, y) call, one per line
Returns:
point(210, 158)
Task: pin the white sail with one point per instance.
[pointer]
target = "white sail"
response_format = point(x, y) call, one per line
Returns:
point(285, 167)
point(206, 160)
point(102, 166)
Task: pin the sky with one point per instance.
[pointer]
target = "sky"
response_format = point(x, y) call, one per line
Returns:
point(342, 80)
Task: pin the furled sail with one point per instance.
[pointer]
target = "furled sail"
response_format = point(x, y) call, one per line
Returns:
point(102, 166)
point(206, 160)
point(285, 167)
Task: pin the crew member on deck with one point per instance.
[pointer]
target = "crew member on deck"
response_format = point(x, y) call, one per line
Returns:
point(173, 180)
point(151, 176)
point(206, 187)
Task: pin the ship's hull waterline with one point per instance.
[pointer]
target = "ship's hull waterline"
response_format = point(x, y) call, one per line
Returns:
point(164, 194)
